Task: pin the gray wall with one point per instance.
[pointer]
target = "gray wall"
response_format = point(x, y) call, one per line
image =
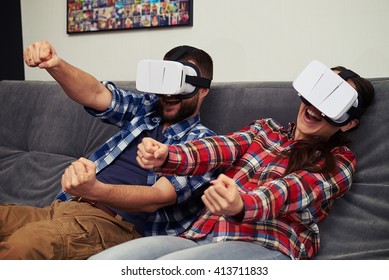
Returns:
point(251, 40)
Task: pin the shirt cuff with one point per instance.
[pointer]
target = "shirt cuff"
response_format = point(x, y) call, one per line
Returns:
point(253, 210)
point(101, 114)
point(172, 162)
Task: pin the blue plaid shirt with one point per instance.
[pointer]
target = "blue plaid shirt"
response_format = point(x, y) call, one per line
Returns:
point(135, 113)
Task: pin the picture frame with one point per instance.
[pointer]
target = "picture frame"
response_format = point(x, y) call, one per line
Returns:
point(87, 16)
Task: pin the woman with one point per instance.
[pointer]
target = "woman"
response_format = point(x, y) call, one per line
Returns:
point(278, 184)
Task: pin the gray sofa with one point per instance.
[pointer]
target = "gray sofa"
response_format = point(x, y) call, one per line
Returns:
point(42, 131)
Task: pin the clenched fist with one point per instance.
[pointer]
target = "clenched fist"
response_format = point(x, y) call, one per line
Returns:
point(151, 153)
point(41, 54)
point(79, 179)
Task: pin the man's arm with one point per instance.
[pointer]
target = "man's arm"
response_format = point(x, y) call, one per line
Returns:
point(77, 84)
point(140, 198)
point(79, 179)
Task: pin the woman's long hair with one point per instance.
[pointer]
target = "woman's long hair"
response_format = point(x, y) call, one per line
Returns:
point(306, 154)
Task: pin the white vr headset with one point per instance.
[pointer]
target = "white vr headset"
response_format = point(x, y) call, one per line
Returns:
point(329, 92)
point(169, 78)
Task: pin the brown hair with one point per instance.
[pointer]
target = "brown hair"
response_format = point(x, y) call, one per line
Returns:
point(201, 59)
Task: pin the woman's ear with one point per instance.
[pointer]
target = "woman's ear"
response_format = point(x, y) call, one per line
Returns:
point(353, 123)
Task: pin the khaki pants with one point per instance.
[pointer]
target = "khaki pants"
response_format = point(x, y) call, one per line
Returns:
point(63, 230)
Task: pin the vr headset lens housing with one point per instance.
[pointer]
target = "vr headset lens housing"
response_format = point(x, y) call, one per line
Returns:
point(321, 87)
point(167, 78)
point(336, 122)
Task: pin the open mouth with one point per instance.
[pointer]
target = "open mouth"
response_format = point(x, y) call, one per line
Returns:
point(312, 115)
point(172, 101)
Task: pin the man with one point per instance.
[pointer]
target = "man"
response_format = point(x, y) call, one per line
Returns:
point(109, 198)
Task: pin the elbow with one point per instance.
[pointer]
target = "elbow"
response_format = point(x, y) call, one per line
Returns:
point(150, 208)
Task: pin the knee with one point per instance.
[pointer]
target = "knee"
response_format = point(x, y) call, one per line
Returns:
point(19, 249)
point(26, 245)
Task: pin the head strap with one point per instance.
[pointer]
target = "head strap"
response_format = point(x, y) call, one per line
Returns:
point(196, 81)
point(355, 112)
point(347, 74)
point(181, 51)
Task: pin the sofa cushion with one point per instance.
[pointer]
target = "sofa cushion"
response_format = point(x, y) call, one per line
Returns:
point(230, 106)
point(358, 227)
point(42, 131)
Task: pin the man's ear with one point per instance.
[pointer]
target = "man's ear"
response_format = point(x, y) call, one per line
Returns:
point(353, 123)
point(203, 92)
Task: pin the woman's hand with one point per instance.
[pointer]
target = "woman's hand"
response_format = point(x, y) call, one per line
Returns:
point(151, 153)
point(222, 197)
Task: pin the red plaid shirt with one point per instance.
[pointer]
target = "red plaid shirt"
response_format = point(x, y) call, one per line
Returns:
point(281, 212)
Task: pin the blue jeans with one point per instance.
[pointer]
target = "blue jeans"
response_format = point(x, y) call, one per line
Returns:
point(177, 248)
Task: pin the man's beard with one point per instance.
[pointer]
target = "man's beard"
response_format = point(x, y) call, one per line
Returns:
point(187, 110)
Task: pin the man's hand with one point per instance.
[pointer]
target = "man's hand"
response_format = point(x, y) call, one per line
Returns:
point(41, 54)
point(222, 197)
point(151, 153)
point(77, 84)
point(79, 179)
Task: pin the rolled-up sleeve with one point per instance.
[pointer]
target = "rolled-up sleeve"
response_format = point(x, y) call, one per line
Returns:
point(124, 105)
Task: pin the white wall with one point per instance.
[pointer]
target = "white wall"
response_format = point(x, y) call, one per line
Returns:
point(249, 40)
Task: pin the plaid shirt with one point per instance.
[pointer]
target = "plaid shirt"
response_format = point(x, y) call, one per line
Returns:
point(281, 212)
point(135, 113)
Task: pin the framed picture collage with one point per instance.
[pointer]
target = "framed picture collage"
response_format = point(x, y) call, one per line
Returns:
point(110, 15)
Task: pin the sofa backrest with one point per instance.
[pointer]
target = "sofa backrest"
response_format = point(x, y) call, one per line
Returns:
point(230, 106)
point(42, 132)
point(359, 225)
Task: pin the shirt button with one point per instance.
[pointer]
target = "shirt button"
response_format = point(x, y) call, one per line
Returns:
point(176, 137)
point(155, 119)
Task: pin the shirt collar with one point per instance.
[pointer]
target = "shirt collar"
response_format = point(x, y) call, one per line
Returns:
point(179, 130)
